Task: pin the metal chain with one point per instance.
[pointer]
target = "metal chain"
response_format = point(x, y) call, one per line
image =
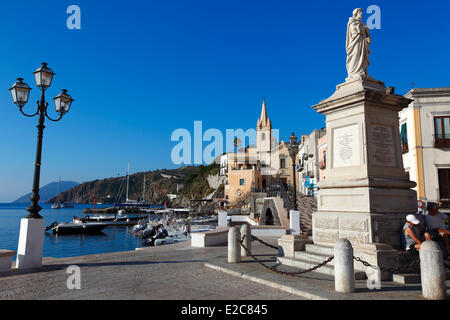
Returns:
point(274, 268)
point(305, 271)
point(401, 268)
point(365, 263)
point(264, 243)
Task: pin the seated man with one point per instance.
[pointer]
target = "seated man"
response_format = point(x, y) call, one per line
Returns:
point(411, 235)
point(435, 221)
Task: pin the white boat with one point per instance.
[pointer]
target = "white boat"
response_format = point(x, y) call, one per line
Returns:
point(76, 228)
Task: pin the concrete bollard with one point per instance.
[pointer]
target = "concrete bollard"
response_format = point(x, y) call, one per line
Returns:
point(234, 245)
point(247, 232)
point(344, 274)
point(432, 272)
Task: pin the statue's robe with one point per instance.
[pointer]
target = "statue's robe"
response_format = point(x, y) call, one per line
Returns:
point(357, 45)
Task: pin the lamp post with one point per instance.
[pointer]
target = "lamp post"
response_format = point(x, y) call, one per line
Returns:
point(293, 150)
point(20, 92)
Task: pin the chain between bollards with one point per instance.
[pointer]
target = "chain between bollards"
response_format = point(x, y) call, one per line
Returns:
point(274, 267)
point(401, 268)
point(264, 243)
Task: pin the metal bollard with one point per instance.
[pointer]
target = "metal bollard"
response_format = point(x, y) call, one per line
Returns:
point(234, 245)
point(247, 232)
point(344, 275)
point(432, 272)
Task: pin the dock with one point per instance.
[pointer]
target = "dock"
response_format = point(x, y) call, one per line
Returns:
point(136, 210)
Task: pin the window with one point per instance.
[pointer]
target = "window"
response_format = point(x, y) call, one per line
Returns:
point(282, 163)
point(263, 136)
point(444, 184)
point(242, 182)
point(442, 131)
point(404, 138)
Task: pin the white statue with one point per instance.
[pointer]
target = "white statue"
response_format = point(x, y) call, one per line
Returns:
point(357, 45)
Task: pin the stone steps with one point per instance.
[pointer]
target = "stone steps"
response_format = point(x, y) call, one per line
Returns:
point(327, 269)
point(314, 248)
point(409, 278)
point(306, 206)
point(312, 256)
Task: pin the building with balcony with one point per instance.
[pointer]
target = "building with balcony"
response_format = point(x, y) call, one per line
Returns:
point(425, 140)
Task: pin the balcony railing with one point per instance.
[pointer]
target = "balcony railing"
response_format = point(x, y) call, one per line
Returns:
point(441, 140)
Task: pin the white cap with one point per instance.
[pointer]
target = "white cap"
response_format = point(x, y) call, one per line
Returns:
point(412, 218)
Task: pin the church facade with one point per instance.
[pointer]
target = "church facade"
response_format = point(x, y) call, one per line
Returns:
point(256, 167)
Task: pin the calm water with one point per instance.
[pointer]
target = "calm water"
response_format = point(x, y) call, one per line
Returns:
point(113, 238)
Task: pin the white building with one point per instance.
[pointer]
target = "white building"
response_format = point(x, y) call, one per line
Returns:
point(223, 164)
point(425, 138)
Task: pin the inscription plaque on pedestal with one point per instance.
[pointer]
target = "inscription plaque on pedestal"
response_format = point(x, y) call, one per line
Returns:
point(345, 146)
point(382, 150)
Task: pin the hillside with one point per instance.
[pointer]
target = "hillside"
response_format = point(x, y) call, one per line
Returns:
point(48, 191)
point(158, 184)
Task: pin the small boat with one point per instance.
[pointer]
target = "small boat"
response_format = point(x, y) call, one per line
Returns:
point(140, 226)
point(108, 220)
point(76, 228)
point(151, 234)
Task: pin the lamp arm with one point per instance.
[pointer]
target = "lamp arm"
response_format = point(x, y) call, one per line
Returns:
point(29, 115)
point(50, 118)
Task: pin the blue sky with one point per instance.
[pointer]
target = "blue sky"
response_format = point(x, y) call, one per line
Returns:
point(141, 69)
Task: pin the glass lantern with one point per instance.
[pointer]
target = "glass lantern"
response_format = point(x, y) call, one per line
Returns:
point(43, 76)
point(63, 101)
point(20, 92)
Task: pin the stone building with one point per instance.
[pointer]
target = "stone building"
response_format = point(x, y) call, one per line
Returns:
point(425, 142)
point(310, 154)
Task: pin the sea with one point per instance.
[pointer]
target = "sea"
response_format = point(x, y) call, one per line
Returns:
point(112, 238)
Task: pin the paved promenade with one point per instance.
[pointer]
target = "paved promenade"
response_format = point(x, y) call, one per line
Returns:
point(174, 271)
point(181, 272)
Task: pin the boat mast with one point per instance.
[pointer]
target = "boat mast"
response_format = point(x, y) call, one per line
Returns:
point(128, 179)
point(59, 186)
point(143, 192)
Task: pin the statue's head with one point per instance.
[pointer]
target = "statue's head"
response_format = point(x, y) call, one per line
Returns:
point(357, 13)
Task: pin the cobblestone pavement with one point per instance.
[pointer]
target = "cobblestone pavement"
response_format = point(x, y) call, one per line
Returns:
point(174, 271)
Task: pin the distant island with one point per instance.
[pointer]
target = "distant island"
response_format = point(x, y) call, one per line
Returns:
point(49, 191)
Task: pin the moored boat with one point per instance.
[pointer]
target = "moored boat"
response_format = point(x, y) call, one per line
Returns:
point(76, 228)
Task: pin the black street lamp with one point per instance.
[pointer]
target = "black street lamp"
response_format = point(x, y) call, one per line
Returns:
point(293, 150)
point(20, 92)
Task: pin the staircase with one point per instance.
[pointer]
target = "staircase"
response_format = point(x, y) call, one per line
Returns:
point(306, 206)
point(312, 256)
point(242, 201)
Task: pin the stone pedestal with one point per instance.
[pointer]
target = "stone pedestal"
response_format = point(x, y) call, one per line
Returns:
point(31, 243)
point(366, 194)
point(289, 243)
